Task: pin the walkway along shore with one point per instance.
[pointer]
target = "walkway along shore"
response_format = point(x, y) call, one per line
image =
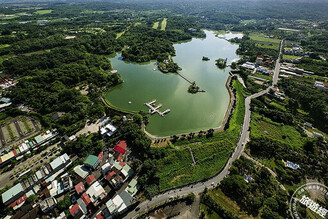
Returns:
point(217, 129)
point(153, 138)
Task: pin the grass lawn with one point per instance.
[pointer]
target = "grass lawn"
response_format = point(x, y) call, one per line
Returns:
point(221, 199)
point(270, 163)
point(8, 18)
point(209, 214)
point(155, 25)
point(268, 77)
point(278, 106)
point(163, 24)
point(42, 12)
point(210, 154)
point(291, 57)
point(262, 126)
point(252, 21)
point(4, 46)
point(120, 34)
point(261, 38)
point(268, 45)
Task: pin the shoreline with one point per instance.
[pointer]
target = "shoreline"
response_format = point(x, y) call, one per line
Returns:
point(153, 138)
point(216, 129)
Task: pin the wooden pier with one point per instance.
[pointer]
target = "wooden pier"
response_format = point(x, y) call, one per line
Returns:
point(154, 109)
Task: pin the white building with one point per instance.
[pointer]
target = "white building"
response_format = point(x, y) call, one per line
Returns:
point(96, 193)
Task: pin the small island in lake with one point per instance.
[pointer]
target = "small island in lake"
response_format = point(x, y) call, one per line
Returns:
point(221, 63)
point(193, 88)
point(205, 58)
point(168, 65)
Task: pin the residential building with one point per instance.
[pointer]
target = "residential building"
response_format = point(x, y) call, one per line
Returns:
point(82, 206)
point(126, 172)
point(60, 162)
point(248, 178)
point(81, 171)
point(90, 179)
point(92, 162)
point(108, 130)
point(120, 203)
point(74, 210)
point(259, 60)
point(48, 204)
point(317, 135)
point(79, 188)
point(105, 168)
point(96, 193)
point(292, 165)
point(321, 85)
point(121, 147)
point(86, 199)
point(133, 187)
point(19, 202)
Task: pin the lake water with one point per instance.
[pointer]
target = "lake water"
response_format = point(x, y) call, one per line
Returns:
point(189, 112)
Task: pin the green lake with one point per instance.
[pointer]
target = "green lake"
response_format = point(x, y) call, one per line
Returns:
point(189, 112)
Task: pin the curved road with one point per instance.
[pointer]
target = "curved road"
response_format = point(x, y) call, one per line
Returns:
point(199, 187)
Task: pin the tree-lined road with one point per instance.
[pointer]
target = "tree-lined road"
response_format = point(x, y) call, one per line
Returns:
point(199, 187)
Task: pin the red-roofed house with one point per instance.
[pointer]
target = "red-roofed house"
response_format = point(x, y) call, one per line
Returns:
point(90, 179)
point(110, 175)
point(121, 164)
point(86, 199)
point(100, 216)
point(79, 188)
point(15, 152)
point(119, 158)
point(74, 210)
point(100, 156)
point(18, 202)
point(120, 147)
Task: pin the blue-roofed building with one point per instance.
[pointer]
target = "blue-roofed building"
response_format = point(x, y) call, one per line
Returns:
point(248, 178)
point(292, 165)
point(5, 100)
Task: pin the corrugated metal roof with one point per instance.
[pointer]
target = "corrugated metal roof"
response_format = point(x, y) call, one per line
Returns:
point(12, 192)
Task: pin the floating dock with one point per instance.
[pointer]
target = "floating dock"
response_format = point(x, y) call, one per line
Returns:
point(154, 109)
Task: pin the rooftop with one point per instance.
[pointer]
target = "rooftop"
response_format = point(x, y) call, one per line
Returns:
point(91, 160)
point(90, 179)
point(73, 210)
point(79, 188)
point(96, 191)
point(59, 161)
point(86, 199)
point(120, 147)
point(12, 192)
point(81, 171)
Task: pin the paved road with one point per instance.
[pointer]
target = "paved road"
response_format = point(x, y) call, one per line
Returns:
point(8, 178)
point(19, 130)
point(199, 187)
